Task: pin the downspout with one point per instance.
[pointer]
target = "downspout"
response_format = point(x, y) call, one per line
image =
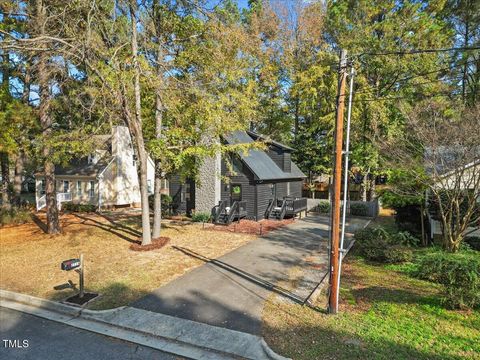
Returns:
point(100, 178)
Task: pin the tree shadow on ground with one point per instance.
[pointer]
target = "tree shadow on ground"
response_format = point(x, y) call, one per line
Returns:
point(39, 223)
point(124, 233)
point(121, 225)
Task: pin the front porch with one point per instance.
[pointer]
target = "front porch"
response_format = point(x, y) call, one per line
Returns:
point(286, 207)
point(78, 191)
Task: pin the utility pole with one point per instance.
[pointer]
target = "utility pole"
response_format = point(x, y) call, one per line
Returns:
point(345, 178)
point(337, 187)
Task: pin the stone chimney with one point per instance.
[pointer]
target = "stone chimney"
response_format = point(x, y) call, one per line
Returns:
point(208, 188)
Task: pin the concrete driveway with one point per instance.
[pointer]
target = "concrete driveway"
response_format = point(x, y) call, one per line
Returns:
point(219, 297)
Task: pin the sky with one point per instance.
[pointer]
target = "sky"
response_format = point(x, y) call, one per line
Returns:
point(242, 3)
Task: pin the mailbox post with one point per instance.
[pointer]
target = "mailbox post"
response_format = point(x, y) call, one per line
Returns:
point(80, 274)
point(77, 265)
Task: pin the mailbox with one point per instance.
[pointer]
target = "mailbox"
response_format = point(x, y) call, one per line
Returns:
point(70, 264)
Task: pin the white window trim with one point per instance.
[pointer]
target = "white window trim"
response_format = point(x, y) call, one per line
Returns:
point(66, 182)
point(91, 190)
point(79, 187)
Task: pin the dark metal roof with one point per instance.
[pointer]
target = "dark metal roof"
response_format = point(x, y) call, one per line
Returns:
point(258, 161)
point(269, 141)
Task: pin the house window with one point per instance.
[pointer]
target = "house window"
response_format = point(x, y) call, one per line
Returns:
point(66, 186)
point(90, 159)
point(182, 194)
point(187, 191)
point(272, 189)
point(79, 188)
point(42, 187)
point(134, 160)
point(149, 186)
point(235, 193)
point(91, 191)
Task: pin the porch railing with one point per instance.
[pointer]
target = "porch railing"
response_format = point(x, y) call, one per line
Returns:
point(61, 198)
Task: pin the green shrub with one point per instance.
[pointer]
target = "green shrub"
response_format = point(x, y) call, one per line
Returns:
point(358, 209)
point(371, 242)
point(201, 217)
point(397, 254)
point(14, 216)
point(464, 246)
point(474, 242)
point(323, 206)
point(405, 238)
point(408, 218)
point(458, 273)
point(376, 244)
point(69, 206)
point(166, 203)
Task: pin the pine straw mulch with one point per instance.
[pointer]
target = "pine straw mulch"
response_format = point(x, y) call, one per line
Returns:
point(261, 227)
point(157, 243)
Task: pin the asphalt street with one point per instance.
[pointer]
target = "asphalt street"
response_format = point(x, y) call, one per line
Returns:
point(25, 336)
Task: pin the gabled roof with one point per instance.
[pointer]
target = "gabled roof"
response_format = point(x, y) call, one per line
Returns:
point(257, 136)
point(443, 160)
point(258, 161)
point(83, 168)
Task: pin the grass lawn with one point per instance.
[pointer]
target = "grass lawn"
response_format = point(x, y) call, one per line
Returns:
point(384, 314)
point(30, 259)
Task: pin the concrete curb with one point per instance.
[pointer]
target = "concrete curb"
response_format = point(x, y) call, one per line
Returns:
point(178, 336)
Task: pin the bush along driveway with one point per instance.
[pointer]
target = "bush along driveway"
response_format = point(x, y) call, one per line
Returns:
point(233, 296)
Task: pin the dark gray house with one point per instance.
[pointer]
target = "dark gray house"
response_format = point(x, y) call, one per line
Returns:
point(263, 183)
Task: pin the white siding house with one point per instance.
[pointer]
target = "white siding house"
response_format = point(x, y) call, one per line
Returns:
point(106, 178)
point(468, 181)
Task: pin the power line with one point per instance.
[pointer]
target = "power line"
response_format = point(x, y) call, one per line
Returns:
point(373, 91)
point(417, 51)
point(407, 78)
point(406, 97)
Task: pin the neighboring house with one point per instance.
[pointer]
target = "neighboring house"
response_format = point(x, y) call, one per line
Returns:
point(449, 178)
point(259, 177)
point(106, 178)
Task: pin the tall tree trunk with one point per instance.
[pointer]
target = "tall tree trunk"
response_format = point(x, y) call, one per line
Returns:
point(5, 165)
point(138, 133)
point(53, 223)
point(17, 180)
point(4, 157)
point(157, 204)
point(422, 223)
point(364, 186)
point(26, 85)
point(372, 189)
point(297, 116)
point(465, 67)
